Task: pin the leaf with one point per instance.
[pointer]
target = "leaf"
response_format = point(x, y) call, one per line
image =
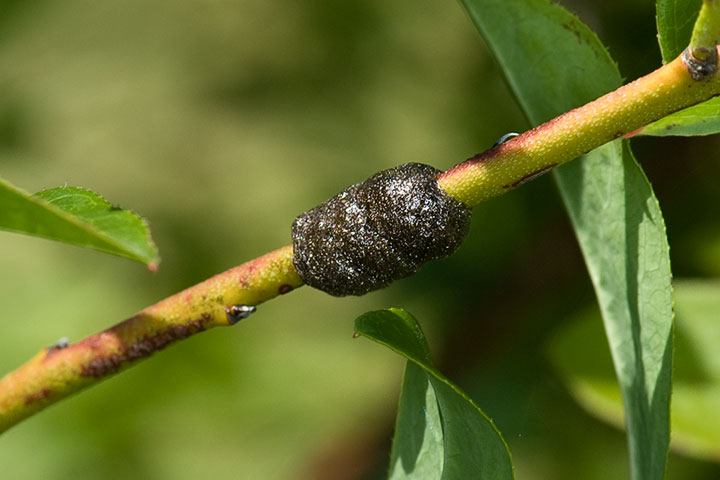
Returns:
point(675, 20)
point(701, 119)
point(586, 367)
point(77, 216)
point(440, 432)
point(553, 63)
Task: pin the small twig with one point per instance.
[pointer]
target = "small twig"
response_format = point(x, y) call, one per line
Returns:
point(668, 89)
point(224, 299)
point(706, 32)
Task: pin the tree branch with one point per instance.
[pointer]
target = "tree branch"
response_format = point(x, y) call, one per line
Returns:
point(672, 87)
point(222, 300)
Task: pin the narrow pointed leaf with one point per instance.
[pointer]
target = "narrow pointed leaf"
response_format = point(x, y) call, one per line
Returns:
point(586, 368)
point(418, 444)
point(553, 62)
point(440, 432)
point(675, 20)
point(77, 216)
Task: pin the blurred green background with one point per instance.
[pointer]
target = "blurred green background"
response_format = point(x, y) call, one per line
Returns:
point(221, 121)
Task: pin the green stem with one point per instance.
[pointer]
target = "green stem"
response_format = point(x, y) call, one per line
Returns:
point(706, 31)
point(58, 371)
point(666, 90)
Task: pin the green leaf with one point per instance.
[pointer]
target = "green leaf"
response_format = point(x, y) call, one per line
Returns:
point(440, 432)
point(553, 62)
point(586, 367)
point(701, 119)
point(675, 20)
point(77, 216)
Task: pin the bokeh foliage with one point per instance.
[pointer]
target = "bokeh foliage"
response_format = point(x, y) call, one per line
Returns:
point(220, 122)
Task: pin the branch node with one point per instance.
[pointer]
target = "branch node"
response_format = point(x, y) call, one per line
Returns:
point(702, 63)
point(239, 312)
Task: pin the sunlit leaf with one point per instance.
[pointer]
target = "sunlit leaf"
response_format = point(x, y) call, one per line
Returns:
point(440, 432)
point(553, 62)
point(77, 216)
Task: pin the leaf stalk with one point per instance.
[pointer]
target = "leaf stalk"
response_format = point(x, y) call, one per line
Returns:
point(706, 32)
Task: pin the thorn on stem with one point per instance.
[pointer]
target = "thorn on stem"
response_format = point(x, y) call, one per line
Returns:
point(64, 342)
point(505, 138)
point(239, 312)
